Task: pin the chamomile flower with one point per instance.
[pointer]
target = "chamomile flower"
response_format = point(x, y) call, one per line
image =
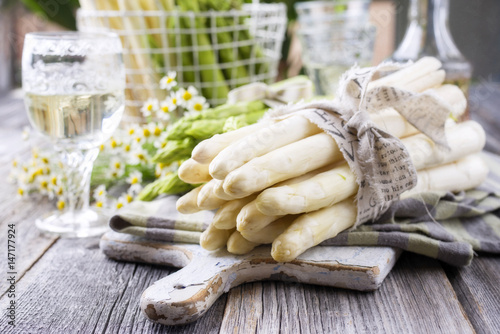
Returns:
point(113, 144)
point(61, 204)
point(197, 104)
point(168, 82)
point(173, 99)
point(117, 168)
point(120, 202)
point(166, 109)
point(134, 178)
point(150, 106)
point(138, 155)
point(22, 190)
point(100, 192)
point(185, 96)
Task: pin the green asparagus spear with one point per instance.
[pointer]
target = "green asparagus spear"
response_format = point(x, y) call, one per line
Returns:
point(236, 122)
point(169, 184)
point(175, 150)
point(210, 72)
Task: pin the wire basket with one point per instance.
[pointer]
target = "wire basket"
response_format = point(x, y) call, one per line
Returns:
point(213, 51)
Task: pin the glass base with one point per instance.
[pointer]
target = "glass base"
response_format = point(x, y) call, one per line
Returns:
point(80, 224)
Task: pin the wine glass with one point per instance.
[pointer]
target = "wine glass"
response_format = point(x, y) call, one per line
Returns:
point(74, 94)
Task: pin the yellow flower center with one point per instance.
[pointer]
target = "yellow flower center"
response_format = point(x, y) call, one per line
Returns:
point(162, 145)
point(100, 193)
point(118, 165)
point(134, 180)
point(20, 191)
point(131, 131)
point(119, 205)
point(187, 96)
point(44, 184)
point(99, 204)
point(198, 107)
point(157, 131)
point(53, 180)
point(165, 109)
point(45, 160)
point(61, 205)
point(114, 144)
point(129, 198)
point(174, 100)
point(14, 163)
point(169, 80)
point(126, 148)
point(101, 148)
point(141, 156)
point(59, 191)
point(146, 132)
point(149, 107)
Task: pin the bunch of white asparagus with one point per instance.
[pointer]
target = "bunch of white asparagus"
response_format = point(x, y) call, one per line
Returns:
point(286, 182)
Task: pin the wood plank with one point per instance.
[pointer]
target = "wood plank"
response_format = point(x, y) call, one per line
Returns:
point(75, 288)
point(416, 297)
point(477, 289)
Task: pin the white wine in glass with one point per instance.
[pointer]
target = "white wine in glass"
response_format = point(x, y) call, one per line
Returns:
point(74, 95)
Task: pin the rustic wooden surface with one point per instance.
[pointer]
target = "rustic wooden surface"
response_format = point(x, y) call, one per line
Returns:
point(69, 286)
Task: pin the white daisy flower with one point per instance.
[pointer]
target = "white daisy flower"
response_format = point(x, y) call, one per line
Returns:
point(100, 192)
point(150, 106)
point(184, 96)
point(120, 202)
point(173, 99)
point(168, 82)
point(138, 155)
point(166, 108)
point(134, 178)
point(197, 104)
point(117, 168)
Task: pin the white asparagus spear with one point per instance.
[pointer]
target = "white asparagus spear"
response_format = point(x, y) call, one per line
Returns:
point(463, 174)
point(320, 191)
point(463, 139)
point(419, 69)
point(206, 199)
point(431, 80)
point(270, 232)
point(236, 244)
point(191, 171)
point(208, 149)
point(312, 228)
point(261, 142)
point(281, 164)
point(213, 238)
point(225, 217)
point(188, 203)
point(251, 219)
point(219, 191)
point(337, 184)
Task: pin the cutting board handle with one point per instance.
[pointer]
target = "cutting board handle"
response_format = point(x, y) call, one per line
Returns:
point(187, 294)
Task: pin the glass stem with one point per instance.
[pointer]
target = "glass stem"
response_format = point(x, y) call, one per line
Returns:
point(79, 169)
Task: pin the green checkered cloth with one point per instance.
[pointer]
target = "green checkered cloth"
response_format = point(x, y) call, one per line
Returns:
point(445, 226)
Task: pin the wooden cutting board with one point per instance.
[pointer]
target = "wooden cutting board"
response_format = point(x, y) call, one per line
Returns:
point(187, 294)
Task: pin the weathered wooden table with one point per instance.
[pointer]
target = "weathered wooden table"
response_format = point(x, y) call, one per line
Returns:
point(69, 286)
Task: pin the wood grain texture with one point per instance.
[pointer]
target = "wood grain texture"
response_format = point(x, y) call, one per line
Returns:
point(478, 291)
point(415, 298)
point(74, 288)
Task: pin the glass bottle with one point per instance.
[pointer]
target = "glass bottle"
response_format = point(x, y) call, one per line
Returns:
point(428, 34)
